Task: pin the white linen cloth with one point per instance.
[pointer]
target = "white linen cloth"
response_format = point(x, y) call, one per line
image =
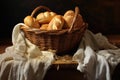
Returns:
point(23, 60)
point(96, 57)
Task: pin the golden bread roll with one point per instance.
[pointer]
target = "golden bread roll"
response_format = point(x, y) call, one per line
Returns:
point(29, 21)
point(68, 16)
point(36, 24)
point(44, 27)
point(69, 13)
point(56, 23)
point(45, 17)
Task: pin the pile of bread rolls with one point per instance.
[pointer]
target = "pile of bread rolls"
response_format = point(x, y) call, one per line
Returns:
point(52, 21)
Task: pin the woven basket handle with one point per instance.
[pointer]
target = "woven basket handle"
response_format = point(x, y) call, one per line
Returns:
point(39, 8)
point(74, 19)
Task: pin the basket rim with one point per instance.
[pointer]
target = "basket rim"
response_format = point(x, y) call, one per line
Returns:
point(53, 32)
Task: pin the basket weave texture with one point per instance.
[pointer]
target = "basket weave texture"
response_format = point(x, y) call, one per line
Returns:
point(62, 41)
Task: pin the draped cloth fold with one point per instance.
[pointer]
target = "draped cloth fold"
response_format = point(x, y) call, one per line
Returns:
point(96, 56)
point(24, 60)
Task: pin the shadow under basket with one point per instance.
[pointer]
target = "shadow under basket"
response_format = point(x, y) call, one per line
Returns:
point(63, 41)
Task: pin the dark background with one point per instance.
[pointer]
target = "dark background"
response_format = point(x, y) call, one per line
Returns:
point(101, 15)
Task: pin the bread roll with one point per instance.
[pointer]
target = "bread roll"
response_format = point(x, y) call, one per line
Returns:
point(44, 27)
point(36, 24)
point(69, 13)
point(29, 21)
point(68, 16)
point(45, 17)
point(56, 23)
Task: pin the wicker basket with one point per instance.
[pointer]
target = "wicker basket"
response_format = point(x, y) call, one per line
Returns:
point(62, 41)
